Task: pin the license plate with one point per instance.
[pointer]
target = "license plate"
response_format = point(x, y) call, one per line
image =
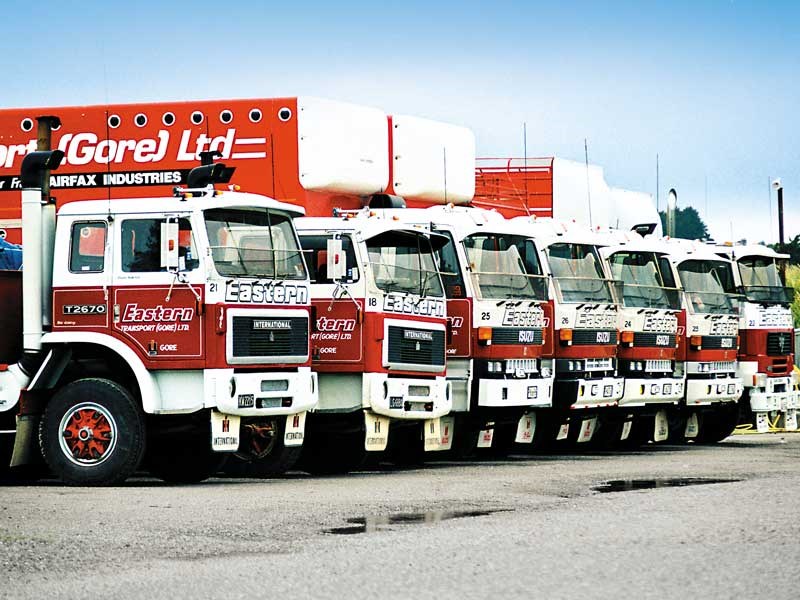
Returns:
point(667, 388)
point(396, 402)
point(533, 393)
point(608, 391)
point(246, 400)
point(731, 388)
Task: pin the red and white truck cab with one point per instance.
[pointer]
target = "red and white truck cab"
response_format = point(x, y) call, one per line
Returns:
point(191, 309)
point(766, 352)
point(378, 344)
point(710, 339)
point(648, 339)
point(498, 326)
point(586, 319)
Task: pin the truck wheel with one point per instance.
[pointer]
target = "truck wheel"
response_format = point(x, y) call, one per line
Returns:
point(329, 453)
point(608, 433)
point(548, 425)
point(502, 442)
point(263, 453)
point(183, 458)
point(641, 432)
point(720, 424)
point(406, 447)
point(465, 438)
point(92, 433)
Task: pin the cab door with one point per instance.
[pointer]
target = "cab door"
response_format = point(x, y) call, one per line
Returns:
point(158, 310)
point(82, 275)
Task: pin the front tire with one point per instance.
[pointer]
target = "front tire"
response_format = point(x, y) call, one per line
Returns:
point(92, 433)
point(719, 424)
point(184, 457)
point(263, 452)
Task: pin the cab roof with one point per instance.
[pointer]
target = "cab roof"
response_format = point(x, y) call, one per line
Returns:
point(200, 200)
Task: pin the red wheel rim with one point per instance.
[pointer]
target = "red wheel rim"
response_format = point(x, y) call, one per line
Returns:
point(88, 434)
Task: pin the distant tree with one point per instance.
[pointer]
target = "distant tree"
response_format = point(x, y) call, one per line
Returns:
point(688, 224)
point(792, 249)
point(793, 280)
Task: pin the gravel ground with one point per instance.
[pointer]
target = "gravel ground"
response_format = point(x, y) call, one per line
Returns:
point(533, 526)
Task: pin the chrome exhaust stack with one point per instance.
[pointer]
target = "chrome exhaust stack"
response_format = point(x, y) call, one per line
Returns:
point(35, 169)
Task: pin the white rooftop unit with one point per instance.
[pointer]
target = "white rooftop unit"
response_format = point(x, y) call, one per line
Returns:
point(342, 147)
point(433, 161)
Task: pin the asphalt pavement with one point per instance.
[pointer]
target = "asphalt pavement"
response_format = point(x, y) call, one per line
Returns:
point(662, 522)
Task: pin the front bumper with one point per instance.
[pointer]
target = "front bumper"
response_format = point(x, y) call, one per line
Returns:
point(639, 392)
point(589, 393)
point(766, 399)
point(406, 397)
point(503, 393)
point(259, 393)
point(701, 392)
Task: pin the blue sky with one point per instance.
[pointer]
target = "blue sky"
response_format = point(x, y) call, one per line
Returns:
point(712, 87)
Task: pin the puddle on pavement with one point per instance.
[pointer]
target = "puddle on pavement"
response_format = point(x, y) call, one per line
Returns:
point(375, 523)
point(629, 485)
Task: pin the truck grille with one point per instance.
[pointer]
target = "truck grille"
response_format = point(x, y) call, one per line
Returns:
point(779, 344)
point(713, 342)
point(654, 340)
point(593, 337)
point(412, 346)
point(269, 336)
point(504, 336)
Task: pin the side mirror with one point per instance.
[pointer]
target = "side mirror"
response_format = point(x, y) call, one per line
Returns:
point(169, 244)
point(336, 260)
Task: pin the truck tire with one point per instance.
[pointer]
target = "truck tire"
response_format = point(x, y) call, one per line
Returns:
point(262, 455)
point(406, 448)
point(502, 443)
point(719, 424)
point(608, 433)
point(183, 458)
point(641, 432)
point(92, 433)
point(465, 438)
point(333, 453)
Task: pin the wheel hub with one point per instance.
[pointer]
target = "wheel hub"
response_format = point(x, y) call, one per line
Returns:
point(88, 434)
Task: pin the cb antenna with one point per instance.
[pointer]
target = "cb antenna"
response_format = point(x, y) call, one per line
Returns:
point(444, 155)
point(525, 165)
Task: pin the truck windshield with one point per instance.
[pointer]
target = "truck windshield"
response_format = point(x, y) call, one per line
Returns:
point(254, 242)
point(763, 282)
point(498, 269)
point(402, 261)
point(577, 273)
point(709, 286)
point(647, 280)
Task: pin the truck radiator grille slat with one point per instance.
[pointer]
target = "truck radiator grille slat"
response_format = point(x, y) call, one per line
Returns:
point(715, 342)
point(248, 341)
point(594, 337)
point(779, 343)
point(504, 336)
point(412, 346)
point(651, 340)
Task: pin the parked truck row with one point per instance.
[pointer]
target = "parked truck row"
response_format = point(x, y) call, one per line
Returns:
point(360, 299)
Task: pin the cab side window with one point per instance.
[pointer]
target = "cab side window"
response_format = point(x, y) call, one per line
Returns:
point(315, 249)
point(141, 246)
point(88, 247)
point(447, 261)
